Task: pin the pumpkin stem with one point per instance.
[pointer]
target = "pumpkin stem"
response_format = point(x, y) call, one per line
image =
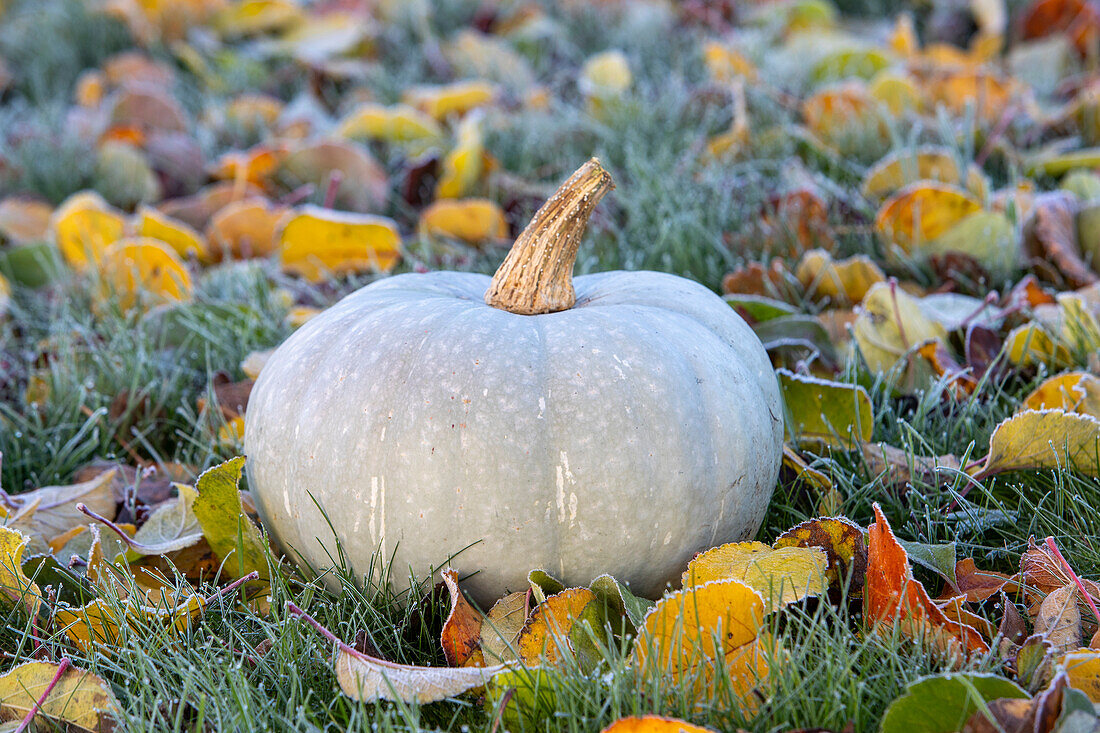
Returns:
point(537, 275)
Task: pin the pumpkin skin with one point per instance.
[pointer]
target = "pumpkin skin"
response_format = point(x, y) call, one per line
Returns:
point(619, 436)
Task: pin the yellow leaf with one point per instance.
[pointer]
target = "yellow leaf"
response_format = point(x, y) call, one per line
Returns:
point(726, 64)
point(802, 470)
point(783, 575)
point(90, 88)
point(142, 272)
point(179, 236)
point(898, 92)
point(5, 296)
point(463, 166)
point(988, 237)
point(1043, 439)
point(396, 124)
point(83, 226)
point(653, 724)
point(1029, 345)
point(472, 220)
point(300, 315)
point(78, 699)
point(96, 624)
point(1072, 392)
point(14, 585)
point(253, 112)
point(250, 17)
point(1083, 669)
point(692, 633)
point(441, 102)
point(843, 282)
point(317, 243)
point(843, 544)
point(552, 626)
point(245, 228)
point(928, 163)
point(232, 433)
point(605, 75)
point(921, 212)
point(889, 322)
point(839, 112)
point(988, 93)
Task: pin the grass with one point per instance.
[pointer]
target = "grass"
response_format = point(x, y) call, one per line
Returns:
point(82, 381)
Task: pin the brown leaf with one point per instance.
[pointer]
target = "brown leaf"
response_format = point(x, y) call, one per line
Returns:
point(898, 468)
point(753, 279)
point(1041, 570)
point(845, 549)
point(980, 585)
point(960, 380)
point(1050, 235)
point(1059, 619)
point(461, 635)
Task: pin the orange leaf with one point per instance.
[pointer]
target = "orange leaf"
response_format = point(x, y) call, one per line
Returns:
point(891, 594)
point(652, 724)
point(461, 635)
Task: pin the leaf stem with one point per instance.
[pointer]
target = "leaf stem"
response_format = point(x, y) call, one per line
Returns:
point(62, 668)
point(1076, 579)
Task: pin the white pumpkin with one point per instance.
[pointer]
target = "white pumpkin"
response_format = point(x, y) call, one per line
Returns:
point(618, 433)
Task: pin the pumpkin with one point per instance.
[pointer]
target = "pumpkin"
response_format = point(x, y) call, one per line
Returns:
point(618, 423)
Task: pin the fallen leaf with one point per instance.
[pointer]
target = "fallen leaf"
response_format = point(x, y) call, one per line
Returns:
point(1050, 234)
point(84, 226)
point(463, 166)
point(1071, 392)
point(782, 575)
point(1059, 619)
point(502, 625)
point(399, 123)
point(51, 510)
point(78, 699)
point(841, 282)
point(980, 585)
point(890, 322)
point(461, 635)
point(844, 547)
point(653, 724)
point(604, 77)
point(441, 102)
point(474, 221)
point(317, 243)
point(618, 599)
point(356, 182)
point(803, 471)
point(927, 163)
point(1082, 668)
point(561, 626)
point(180, 236)
point(24, 220)
point(244, 228)
point(1042, 439)
point(943, 703)
point(227, 528)
point(689, 634)
point(900, 468)
point(892, 595)
point(921, 213)
point(139, 272)
point(14, 585)
point(831, 413)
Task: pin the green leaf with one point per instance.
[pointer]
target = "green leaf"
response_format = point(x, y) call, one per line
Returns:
point(819, 411)
point(619, 598)
point(759, 308)
point(544, 585)
point(231, 534)
point(943, 703)
point(533, 697)
point(797, 330)
point(940, 559)
point(33, 265)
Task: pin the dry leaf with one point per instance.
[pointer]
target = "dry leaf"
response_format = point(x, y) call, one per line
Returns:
point(1051, 234)
point(14, 585)
point(653, 724)
point(841, 282)
point(1059, 619)
point(463, 166)
point(921, 213)
point(555, 627)
point(461, 635)
point(783, 575)
point(83, 226)
point(180, 236)
point(140, 273)
point(245, 228)
point(1042, 439)
point(78, 700)
point(1072, 392)
point(475, 221)
point(892, 595)
point(441, 102)
point(844, 548)
point(317, 243)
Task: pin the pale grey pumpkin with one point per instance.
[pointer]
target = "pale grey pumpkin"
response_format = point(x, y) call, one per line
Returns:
point(619, 434)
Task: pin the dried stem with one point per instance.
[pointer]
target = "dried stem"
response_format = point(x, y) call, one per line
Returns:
point(537, 275)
